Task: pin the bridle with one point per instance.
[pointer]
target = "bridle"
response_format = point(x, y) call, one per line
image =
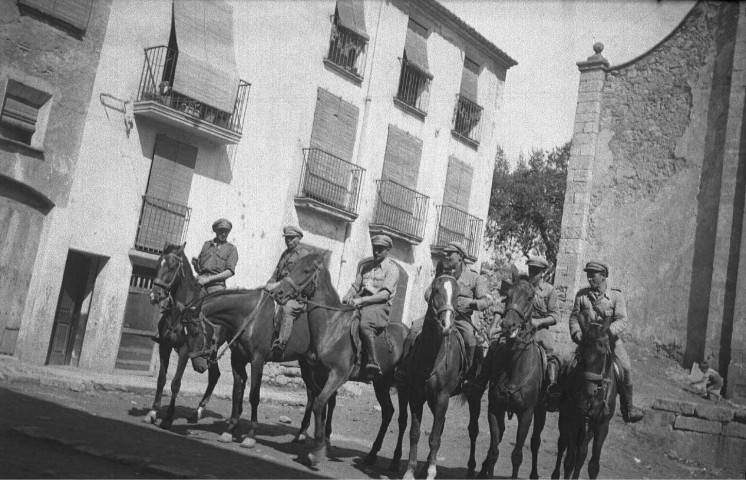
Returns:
point(585, 402)
point(297, 291)
point(207, 352)
point(168, 287)
point(448, 306)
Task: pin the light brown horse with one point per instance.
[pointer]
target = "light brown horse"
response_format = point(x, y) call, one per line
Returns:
point(331, 326)
point(436, 367)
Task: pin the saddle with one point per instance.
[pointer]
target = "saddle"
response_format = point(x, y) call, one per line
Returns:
point(361, 356)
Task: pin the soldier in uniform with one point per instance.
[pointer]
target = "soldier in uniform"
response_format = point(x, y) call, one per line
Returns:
point(293, 308)
point(372, 292)
point(599, 302)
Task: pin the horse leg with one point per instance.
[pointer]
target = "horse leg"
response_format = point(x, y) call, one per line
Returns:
point(496, 420)
point(572, 454)
point(329, 414)
point(416, 403)
point(439, 409)
point(581, 452)
point(257, 371)
point(594, 464)
point(164, 353)
point(387, 413)
point(402, 394)
point(561, 446)
point(175, 386)
point(238, 366)
point(475, 405)
point(213, 374)
point(333, 382)
point(524, 423)
point(306, 375)
point(540, 418)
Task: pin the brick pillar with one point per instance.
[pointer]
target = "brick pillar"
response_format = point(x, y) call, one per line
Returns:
point(569, 277)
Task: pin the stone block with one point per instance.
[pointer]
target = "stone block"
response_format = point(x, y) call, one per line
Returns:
point(711, 412)
point(734, 429)
point(740, 416)
point(589, 96)
point(675, 406)
point(659, 419)
point(693, 424)
point(590, 127)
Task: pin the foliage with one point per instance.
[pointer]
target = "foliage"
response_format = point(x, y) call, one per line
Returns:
point(526, 204)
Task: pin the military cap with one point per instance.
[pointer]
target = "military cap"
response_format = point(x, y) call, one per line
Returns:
point(291, 231)
point(537, 262)
point(596, 266)
point(455, 247)
point(382, 240)
point(222, 223)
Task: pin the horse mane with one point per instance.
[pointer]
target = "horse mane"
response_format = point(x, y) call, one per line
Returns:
point(325, 281)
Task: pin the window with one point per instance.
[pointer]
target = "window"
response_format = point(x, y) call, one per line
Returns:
point(414, 81)
point(349, 37)
point(24, 114)
point(467, 115)
point(74, 13)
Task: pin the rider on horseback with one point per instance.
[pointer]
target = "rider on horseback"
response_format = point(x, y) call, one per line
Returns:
point(601, 301)
point(293, 308)
point(372, 293)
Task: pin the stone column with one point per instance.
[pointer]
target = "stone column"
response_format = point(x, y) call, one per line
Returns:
point(569, 277)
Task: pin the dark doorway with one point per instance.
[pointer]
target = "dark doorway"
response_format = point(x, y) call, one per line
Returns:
point(71, 315)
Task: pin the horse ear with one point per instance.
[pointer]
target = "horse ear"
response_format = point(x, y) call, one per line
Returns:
point(319, 263)
point(181, 248)
point(165, 246)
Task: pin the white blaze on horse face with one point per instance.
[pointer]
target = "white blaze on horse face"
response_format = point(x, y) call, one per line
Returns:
point(448, 287)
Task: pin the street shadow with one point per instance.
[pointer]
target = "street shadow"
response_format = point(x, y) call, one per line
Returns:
point(180, 412)
point(301, 450)
point(139, 444)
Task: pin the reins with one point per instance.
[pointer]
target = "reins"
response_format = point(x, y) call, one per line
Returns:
point(246, 323)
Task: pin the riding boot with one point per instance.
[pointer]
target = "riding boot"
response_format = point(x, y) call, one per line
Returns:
point(478, 383)
point(371, 368)
point(553, 392)
point(278, 347)
point(630, 413)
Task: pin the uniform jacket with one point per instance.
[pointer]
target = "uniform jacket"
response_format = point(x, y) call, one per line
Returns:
point(216, 258)
point(287, 261)
point(372, 278)
point(545, 302)
point(609, 303)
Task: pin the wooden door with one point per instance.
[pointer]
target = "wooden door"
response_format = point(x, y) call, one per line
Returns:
point(140, 322)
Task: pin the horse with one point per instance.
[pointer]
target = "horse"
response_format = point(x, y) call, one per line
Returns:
point(174, 287)
point(247, 317)
point(589, 402)
point(516, 383)
point(332, 328)
point(436, 367)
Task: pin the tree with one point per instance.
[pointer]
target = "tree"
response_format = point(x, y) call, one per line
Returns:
point(526, 204)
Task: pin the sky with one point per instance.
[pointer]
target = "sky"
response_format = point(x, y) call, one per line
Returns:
point(547, 38)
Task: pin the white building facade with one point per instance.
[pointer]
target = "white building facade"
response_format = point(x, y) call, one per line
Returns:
point(345, 118)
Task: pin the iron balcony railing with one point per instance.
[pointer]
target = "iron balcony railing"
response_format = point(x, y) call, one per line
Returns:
point(414, 87)
point(400, 208)
point(467, 118)
point(156, 84)
point(330, 180)
point(161, 222)
point(347, 49)
point(455, 225)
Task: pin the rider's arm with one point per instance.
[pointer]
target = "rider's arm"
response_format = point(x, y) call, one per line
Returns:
point(225, 274)
point(552, 316)
point(575, 332)
point(388, 287)
point(481, 300)
point(619, 322)
point(355, 287)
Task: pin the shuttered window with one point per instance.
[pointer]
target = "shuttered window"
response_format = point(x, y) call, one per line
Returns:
point(458, 184)
point(401, 162)
point(172, 170)
point(75, 13)
point(351, 15)
point(415, 48)
point(334, 125)
point(470, 79)
point(20, 111)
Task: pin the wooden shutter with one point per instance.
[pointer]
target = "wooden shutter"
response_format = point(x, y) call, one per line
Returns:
point(75, 13)
point(470, 79)
point(334, 125)
point(351, 15)
point(415, 47)
point(21, 106)
point(458, 184)
point(401, 162)
point(172, 170)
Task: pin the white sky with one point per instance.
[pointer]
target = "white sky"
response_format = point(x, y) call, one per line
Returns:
point(547, 38)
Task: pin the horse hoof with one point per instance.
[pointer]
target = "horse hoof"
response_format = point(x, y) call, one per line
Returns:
point(370, 460)
point(409, 475)
point(300, 438)
point(248, 442)
point(225, 438)
point(149, 418)
point(313, 460)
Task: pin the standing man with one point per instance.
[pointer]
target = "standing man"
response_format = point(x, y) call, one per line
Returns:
point(372, 292)
point(217, 260)
point(293, 308)
point(599, 302)
point(546, 314)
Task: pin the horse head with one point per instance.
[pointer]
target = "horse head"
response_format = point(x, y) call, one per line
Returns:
point(201, 344)
point(442, 302)
point(168, 272)
point(520, 307)
point(301, 281)
point(595, 358)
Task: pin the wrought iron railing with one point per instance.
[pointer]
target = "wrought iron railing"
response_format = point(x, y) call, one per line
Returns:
point(156, 84)
point(455, 225)
point(414, 87)
point(160, 222)
point(347, 49)
point(400, 208)
point(330, 180)
point(467, 119)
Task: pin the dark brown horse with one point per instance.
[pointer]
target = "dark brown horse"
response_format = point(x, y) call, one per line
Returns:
point(248, 314)
point(589, 402)
point(331, 327)
point(516, 383)
point(435, 369)
point(175, 287)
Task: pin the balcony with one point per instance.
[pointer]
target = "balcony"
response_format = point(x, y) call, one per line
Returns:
point(161, 222)
point(157, 100)
point(455, 225)
point(400, 212)
point(347, 52)
point(329, 185)
point(467, 124)
point(413, 94)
